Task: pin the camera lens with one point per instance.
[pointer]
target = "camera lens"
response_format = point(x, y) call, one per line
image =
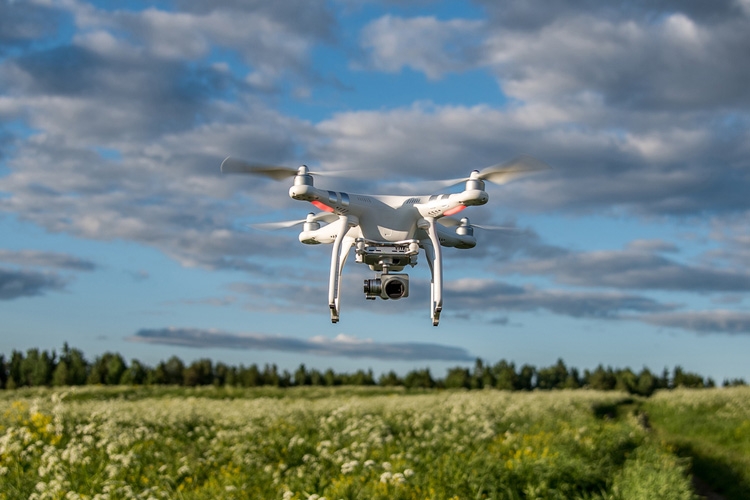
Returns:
point(395, 289)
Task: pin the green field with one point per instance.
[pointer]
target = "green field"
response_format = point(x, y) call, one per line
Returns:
point(712, 427)
point(301, 443)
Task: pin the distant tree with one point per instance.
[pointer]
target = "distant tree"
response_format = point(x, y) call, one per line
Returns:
point(665, 382)
point(174, 370)
point(601, 379)
point(72, 368)
point(78, 367)
point(553, 377)
point(15, 375)
point(457, 378)
point(477, 375)
point(200, 372)
point(316, 377)
point(157, 376)
point(136, 374)
point(3, 372)
point(626, 380)
point(301, 376)
point(505, 376)
point(271, 375)
point(419, 379)
point(225, 375)
point(647, 383)
point(60, 375)
point(573, 379)
point(390, 379)
point(735, 382)
point(681, 378)
point(482, 375)
point(361, 377)
point(107, 369)
point(331, 379)
point(43, 368)
point(526, 378)
point(37, 368)
point(250, 376)
point(285, 379)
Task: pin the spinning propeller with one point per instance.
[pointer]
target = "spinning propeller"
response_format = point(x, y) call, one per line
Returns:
point(451, 222)
point(276, 172)
point(325, 217)
point(499, 174)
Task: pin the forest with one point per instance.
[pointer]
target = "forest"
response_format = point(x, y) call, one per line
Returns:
point(41, 368)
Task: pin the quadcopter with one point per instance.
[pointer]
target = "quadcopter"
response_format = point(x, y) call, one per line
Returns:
point(386, 231)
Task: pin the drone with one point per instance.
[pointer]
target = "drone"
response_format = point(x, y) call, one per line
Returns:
point(387, 231)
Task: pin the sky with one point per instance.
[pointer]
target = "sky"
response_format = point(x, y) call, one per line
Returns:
point(119, 233)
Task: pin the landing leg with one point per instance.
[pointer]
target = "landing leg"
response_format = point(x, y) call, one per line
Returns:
point(337, 265)
point(435, 259)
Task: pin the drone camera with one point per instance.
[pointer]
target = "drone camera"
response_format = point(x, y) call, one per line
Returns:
point(388, 286)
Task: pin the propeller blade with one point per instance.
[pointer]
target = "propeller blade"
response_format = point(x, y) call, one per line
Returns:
point(513, 169)
point(498, 174)
point(433, 186)
point(451, 222)
point(495, 228)
point(236, 166)
point(270, 226)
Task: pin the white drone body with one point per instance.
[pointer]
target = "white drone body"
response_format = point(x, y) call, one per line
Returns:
point(387, 232)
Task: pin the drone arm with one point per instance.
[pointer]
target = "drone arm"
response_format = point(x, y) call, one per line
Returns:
point(338, 258)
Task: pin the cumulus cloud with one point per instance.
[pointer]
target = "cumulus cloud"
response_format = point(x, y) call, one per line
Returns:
point(341, 345)
point(717, 321)
point(640, 108)
point(123, 138)
point(46, 259)
point(20, 26)
point(423, 43)
point(15, 284)
point(485, 294)
point(633, 270)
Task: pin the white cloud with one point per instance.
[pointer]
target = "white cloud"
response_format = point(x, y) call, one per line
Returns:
point(422, 43)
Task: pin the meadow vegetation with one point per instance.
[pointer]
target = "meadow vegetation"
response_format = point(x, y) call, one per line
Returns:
point(713, 429)
point(345, 442)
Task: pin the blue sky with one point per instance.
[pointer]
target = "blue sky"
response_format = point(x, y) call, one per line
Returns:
point(118, 233)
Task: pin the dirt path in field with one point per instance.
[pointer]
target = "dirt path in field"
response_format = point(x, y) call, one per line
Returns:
point(699, 485)
point(704, 490)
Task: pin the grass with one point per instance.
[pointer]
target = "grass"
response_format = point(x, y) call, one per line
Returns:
point(312, 443)
point(711, 427)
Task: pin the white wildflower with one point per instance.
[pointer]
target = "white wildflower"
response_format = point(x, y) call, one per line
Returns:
point(349, 466)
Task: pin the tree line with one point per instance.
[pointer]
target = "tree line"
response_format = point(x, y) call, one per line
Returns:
point(70, 368)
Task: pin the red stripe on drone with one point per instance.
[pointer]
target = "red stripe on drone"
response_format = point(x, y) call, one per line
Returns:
point(319, 205)
point(454, 211)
